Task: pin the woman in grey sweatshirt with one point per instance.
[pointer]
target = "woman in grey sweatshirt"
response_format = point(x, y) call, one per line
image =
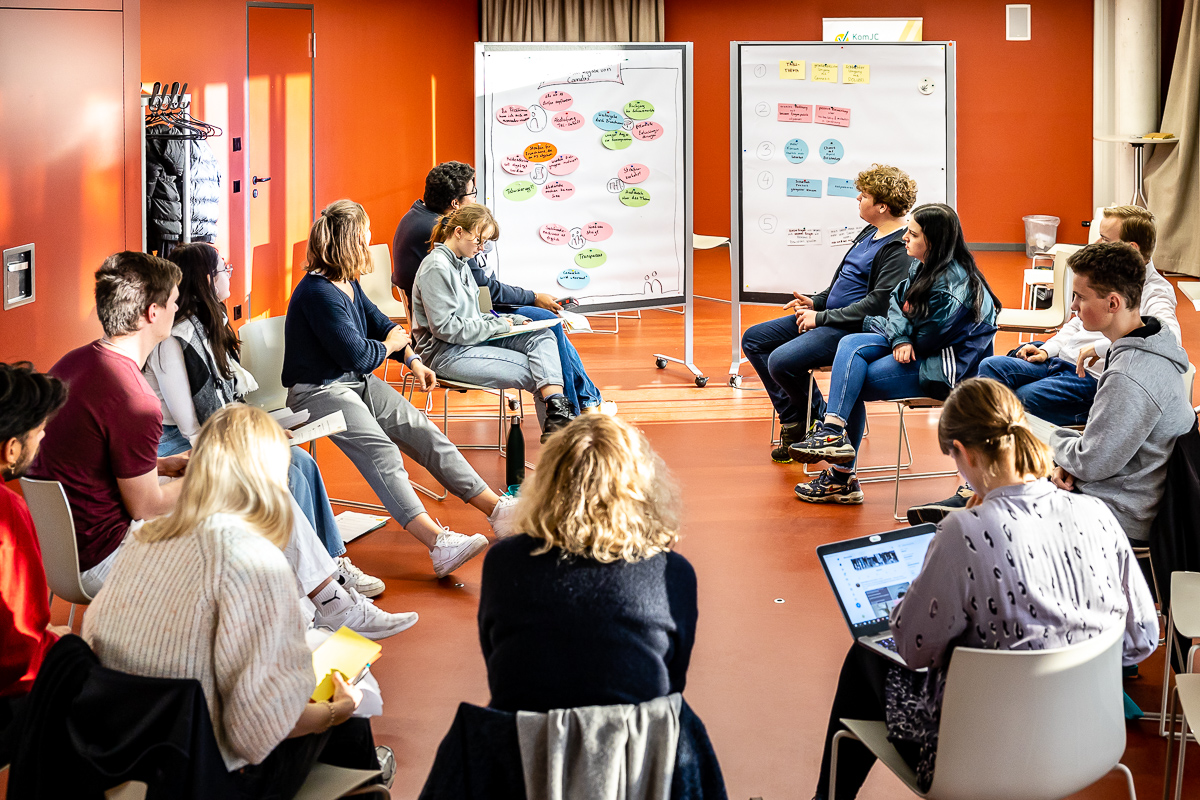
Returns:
point(456, 339)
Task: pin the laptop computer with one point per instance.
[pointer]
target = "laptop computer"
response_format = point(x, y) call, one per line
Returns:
point(869, 575)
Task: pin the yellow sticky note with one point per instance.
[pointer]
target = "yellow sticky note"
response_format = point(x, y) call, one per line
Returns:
point(825, 73)
point(791, 70)
point(856, 73)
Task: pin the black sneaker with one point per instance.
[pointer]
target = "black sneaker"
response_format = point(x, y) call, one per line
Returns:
point(828, 487)
point(558, 414)
point(824, 445)
point(788, 436)
point(936, 512)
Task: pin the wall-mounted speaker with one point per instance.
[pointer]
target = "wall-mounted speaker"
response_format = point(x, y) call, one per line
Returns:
point(1017, 26)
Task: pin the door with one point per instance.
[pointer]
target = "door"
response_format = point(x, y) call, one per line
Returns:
point(279, 178)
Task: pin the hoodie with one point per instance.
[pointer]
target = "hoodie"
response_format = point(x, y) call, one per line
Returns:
point(445, 306)
point(1141, 408)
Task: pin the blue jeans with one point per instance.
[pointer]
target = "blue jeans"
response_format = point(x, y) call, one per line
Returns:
point(1050, 390)
point(784, 358)
point(577, 386)
point(864, 370)
point(304, 482)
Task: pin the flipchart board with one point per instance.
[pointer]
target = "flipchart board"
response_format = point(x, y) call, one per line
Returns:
point(805, 119)
point(583, 153)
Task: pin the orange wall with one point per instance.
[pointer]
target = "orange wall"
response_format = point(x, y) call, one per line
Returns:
point(375, 60)
point(1024, 108)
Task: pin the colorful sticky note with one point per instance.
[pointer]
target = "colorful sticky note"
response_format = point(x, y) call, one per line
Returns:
point(790, 112)
point(824, 73)
point(841, 187)
point(856, 73)
point(791, 70)
point(803, 187)
point(829, 115)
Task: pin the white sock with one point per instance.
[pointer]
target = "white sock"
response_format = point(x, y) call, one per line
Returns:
point(333, 599)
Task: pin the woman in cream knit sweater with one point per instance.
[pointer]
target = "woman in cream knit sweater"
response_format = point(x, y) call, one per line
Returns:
point(206, 593)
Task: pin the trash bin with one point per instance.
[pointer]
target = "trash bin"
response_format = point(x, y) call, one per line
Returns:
point(1041, 231)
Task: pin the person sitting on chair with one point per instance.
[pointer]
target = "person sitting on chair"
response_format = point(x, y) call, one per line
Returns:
point(590, 605)
point(195, 371)
point(335, 338)
point(1057, 380)
point(455, 337)
point(1029, 568)
point(205, 593)
point(785, 351)
point(448, 186)
point(27, 400)
point(939, 326)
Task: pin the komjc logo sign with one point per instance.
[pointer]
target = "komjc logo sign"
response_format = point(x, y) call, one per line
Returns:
point(872, 29)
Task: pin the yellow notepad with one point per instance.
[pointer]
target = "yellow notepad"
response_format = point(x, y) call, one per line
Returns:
point(345, 651)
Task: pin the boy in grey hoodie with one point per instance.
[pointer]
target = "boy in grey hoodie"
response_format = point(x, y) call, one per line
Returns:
point(1141, 404)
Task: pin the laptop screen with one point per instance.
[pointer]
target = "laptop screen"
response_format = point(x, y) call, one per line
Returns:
point(870, 574)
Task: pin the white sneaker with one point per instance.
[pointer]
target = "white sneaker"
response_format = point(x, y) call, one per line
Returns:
point(364, 618)
point(452, 550)
point(608, 407)
point(502, 517)
point(355, 578)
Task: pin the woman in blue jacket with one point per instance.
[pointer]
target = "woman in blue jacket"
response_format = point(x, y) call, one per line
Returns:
point(940, 323)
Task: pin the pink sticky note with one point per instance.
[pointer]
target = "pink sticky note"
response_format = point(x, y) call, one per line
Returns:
point(555, 101)
point(567, 120)
point(790, 112)
point(553, 234)
point(558, 190)
point(512, 115)
point(515, 164)
point(597, 231)
point(832, 115)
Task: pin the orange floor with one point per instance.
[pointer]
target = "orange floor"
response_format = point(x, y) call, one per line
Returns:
point(763, 672)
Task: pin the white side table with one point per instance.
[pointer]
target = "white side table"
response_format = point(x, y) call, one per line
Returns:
point(1138, 143)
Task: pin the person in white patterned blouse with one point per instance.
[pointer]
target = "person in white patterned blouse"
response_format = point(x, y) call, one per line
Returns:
point(1026, 567)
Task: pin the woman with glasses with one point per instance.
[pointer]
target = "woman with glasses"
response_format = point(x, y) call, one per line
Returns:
point(457, 340)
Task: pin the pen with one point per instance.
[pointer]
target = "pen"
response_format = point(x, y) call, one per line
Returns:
point(492, 311)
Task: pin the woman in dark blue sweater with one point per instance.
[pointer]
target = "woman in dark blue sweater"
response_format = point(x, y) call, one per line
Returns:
point(335, 338)
point(589, 606)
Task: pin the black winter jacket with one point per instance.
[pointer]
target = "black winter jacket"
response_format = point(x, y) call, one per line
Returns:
point(164, 177)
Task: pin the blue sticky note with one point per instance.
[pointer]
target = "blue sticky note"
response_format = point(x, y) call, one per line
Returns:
point(803, 187)
point(840, 187)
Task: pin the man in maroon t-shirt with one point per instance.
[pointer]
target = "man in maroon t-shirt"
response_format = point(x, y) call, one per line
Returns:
point(27, 399)
point(103, 445)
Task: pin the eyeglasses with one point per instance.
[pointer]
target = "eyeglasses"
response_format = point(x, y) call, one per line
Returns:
point(478, 240)
point(470, 194)
point(226, 268)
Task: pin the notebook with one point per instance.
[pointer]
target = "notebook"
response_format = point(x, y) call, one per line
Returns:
point(347, 652)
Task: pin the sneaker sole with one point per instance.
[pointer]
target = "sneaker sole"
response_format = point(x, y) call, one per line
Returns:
point(853, 499)
point(922, 514)
point(410, 619)
point(466, 555)
point(374, 591)
point(788, 460)
point(817, 456)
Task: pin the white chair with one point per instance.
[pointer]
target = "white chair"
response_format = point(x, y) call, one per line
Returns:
point(1183, 617)
point(262, 356)
point(1019, 724)
point(377, 284)
point(1187, 688)
point(55, 526)
point(1045, 320)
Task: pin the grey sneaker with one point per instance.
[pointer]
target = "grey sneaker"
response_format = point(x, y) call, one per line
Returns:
point(363, 617)
point(501, 518)
point(452, 550)
point(354, 578)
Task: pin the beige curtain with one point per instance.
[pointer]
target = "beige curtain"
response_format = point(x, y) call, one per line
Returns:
point(1173, 171)
point(572, 20)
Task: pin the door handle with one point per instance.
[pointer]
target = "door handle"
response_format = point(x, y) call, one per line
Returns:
point(257, 180)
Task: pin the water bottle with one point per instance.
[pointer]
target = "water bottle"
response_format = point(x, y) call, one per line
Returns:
point(514, 468)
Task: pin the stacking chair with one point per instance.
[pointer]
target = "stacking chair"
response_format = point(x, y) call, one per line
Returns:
point(1018, 724)
point(1183, 617)
point(1187, 688)
point(1045, 320)
point(377, 286)
point(56, 535)
point(903, 405)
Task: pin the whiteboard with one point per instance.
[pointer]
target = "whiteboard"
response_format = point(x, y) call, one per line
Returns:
point(801, 132)
point(583, 153)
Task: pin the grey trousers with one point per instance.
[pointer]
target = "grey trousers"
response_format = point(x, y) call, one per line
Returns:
point(380, 425)
point(529, 361)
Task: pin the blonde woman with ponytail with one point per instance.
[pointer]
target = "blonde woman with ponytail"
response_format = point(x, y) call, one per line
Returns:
point(207, 594)
point(455, 337)
point(1028, 567)
point(335, 338)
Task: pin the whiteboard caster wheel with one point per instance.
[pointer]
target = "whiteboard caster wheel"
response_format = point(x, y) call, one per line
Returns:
point(702, 381)
point(661, 363)
point(735, 381)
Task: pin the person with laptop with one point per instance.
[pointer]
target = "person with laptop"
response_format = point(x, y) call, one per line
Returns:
point(1030, 567)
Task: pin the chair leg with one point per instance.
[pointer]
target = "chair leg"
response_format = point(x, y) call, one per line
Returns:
point(1182, 753)
point(833, 761)
point(896, 496)
point(1162, 722)
point(1128, 779)
point(71, 618)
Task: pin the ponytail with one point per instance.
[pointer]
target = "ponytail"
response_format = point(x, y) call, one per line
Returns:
point(985, 416)
point(469, 217)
